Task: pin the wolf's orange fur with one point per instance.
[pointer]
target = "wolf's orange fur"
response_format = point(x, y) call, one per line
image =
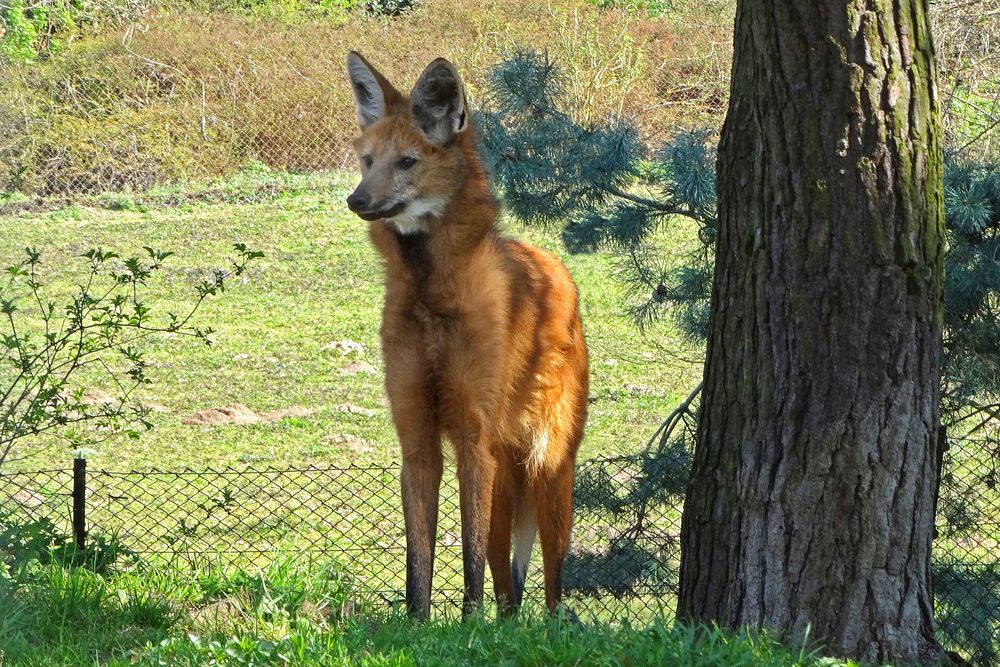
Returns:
point(482, 342)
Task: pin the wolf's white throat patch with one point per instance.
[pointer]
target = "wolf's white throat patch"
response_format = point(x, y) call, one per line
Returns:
point(413, 218)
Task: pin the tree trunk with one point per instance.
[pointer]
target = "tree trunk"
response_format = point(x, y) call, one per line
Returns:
point(811, 500)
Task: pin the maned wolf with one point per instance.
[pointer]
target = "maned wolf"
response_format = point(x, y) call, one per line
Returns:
point(481, 337)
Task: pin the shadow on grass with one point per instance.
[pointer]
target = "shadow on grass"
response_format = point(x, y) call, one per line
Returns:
point(57, 615)
point(967, 608)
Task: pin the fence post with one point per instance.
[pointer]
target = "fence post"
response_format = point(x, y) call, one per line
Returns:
point(80, 502)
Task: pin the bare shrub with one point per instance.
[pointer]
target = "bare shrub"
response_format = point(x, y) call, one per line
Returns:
point(967, 37)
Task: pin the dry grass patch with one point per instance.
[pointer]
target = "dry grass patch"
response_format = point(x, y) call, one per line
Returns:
point(192, 95)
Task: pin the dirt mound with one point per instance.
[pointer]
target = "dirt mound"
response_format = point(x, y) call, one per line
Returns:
point(294, 411)
point(90, 397)
point(237, 413)
point(28, 498)
point(97, 397)
point(350, 442)
point(350, 408)
point(356, 367)
point(345, 347)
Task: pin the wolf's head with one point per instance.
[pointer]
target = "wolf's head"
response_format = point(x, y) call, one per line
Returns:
point(411, 165)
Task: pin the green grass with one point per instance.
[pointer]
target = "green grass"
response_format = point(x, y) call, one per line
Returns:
point(319, 282)
point(304, 614)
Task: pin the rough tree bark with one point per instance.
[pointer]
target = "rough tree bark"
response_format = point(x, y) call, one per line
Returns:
point(811, 500)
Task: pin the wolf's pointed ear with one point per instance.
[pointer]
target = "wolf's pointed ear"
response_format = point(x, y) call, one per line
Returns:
point(438, 102)
point(374, 96)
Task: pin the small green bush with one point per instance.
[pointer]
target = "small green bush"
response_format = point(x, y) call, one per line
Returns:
point(388, 7)
point(38, 541)
point(29, 33)
point(47, 343)
point(39, 29)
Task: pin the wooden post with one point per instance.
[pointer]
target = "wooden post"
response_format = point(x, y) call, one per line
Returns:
point(80, 502)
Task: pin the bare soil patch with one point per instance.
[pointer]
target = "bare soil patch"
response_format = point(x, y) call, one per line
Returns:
point(237, 413)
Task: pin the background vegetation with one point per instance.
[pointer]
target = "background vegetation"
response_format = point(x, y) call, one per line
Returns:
point(200, 91)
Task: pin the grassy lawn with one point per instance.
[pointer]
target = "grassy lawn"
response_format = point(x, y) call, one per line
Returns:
point(306, 614)
point(320, 282)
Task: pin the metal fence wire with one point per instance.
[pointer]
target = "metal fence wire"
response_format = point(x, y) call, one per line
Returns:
point(352, 514)
point(623, 563)
point(157, 106)
point(183, 98)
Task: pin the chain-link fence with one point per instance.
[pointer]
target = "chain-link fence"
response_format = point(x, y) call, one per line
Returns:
point(966, 557)
point(623, 563)
point(173, 97)
point(622, 566)
point(164, 97)
point(156, 105)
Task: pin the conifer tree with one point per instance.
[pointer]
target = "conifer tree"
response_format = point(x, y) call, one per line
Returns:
point(607, 191)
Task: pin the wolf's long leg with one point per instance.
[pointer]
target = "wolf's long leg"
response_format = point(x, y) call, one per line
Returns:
point(421, 480)
point(415, 418)
point(476, 471)
point(554, 496)
point(498, 550)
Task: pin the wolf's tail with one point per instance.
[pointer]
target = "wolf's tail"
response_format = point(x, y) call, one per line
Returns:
point(524, 529)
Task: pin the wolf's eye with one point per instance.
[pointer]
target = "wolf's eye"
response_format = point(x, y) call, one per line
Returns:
point(367, 161)
point(407, 161)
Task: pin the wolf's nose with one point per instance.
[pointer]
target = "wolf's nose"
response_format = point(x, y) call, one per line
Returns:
point(357, 201)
